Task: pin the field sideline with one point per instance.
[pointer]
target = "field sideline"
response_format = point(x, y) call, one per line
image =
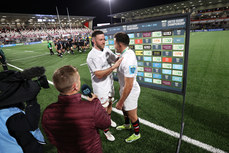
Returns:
point(206, 109)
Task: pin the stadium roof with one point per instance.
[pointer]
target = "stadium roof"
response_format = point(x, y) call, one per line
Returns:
point(172, 8)
point(12, 18)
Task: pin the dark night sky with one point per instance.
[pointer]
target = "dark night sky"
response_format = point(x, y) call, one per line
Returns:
point(96, 8)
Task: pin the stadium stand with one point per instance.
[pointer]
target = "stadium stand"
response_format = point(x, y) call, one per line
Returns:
point(205, 14)
point(24, 28)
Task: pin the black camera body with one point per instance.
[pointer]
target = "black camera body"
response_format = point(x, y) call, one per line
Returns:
point(18, 87)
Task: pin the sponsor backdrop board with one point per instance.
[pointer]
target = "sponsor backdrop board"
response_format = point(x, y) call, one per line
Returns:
point(161, 48)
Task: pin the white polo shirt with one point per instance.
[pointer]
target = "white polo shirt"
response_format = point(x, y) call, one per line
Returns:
point(101, 60)
point(128, 68)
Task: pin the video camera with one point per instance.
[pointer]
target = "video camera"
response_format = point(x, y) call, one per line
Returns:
point(18, 87)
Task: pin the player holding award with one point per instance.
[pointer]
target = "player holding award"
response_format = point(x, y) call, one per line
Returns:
point(99, 63)
point(129, 87)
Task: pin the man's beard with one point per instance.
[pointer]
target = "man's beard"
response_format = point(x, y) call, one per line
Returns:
point(100, 47)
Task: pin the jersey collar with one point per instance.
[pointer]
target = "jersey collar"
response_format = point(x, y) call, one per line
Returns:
point(124, 50)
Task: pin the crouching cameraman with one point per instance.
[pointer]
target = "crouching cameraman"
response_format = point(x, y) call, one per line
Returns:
point(20, 112)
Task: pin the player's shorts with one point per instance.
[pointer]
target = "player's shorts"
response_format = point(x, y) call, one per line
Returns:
point(131, 101)
point(106, 100)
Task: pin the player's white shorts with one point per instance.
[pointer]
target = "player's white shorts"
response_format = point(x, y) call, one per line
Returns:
point(131, 101)
point(106, 100)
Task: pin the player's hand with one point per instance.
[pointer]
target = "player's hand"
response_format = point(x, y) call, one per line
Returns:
point(92, 98)
point(117, 63)
point(119, 106)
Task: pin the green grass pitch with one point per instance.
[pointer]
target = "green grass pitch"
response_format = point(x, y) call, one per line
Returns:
point(207, 97)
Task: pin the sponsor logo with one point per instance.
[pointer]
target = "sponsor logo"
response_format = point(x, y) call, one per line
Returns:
point(166, 77)
point(155, 70)
point(176, 72)
point(146, 41)
point(139, 52)
point(176, 22)
point(165, 71)
point(167, 83)
point(156, 81)
point(176, 84)
point(147, 69)
point(167, 40)
point(158, 65)
point(157, 47)
point(176, 78)
point(156, 53)
point(177, 60)
point(140, 64)
point(164, 23)
point(110, 37)
point(146, 34)
point(156, 40)
point(178, 66)
point(132, 69)
point(140, 47)
point(139, 78)
point(131, 42)
point(131, 35)
point(167, 47)
point(146, 46)
point(178, 54)
point(138, 35)
point(147, 64)
point(147, 58)
point(138, 41)
point(157, 76)
point(140, 74)
point(167, 53)
point(111, 42)
point(131, 47)
point(167, 33)
point(167, 59)
point(149, 53)
point(178, 40)
point(178, 32)
point(140, 69)
point(111, 47)
point(156, 34)
point(148, 80)
point(149, 75)
point(139, 58)
point(166, 66)
point(178, 47)
point(157, 59)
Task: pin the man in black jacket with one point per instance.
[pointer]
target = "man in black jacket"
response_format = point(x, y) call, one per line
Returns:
point(19, 132)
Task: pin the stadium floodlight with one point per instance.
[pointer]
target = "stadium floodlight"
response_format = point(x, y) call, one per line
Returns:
point(110, 10)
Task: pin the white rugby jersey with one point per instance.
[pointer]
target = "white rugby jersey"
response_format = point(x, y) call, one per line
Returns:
point(128, 68)
point(101, 60)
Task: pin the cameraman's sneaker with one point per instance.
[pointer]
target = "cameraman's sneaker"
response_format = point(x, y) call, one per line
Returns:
point(124, 127)
point(113, 124)
point(109, 136)
point(132, 138)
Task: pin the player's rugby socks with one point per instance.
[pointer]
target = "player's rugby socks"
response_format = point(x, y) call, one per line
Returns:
point(127, 120)
point(136, 127)
point(106, 130)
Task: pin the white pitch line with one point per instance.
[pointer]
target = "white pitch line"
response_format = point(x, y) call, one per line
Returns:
point(83, 64)
point(29, 57)
point(162, 129)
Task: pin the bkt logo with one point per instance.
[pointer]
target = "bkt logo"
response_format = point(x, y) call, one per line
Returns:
point(86, 91)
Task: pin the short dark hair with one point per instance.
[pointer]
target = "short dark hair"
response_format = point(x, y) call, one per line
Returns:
point(122, 37)
point(97, 32)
